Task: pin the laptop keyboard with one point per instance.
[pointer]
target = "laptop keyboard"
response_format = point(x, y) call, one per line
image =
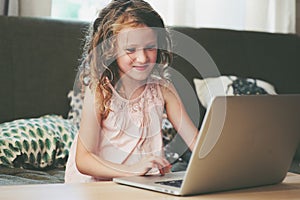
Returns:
point(174, 183)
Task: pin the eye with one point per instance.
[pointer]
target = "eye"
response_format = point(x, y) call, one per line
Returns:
point(151, 47)
point(130, 50)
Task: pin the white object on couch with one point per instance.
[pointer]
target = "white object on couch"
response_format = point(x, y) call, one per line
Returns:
point(209, 88)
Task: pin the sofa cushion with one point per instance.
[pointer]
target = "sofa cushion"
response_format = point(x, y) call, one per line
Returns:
point(76, 101)
point(208, 88)
point(36, 143)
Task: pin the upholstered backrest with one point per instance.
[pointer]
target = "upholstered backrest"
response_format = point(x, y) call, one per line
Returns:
point(39, 58)
point(38, 62)
point(274, 58)
point(268, 56)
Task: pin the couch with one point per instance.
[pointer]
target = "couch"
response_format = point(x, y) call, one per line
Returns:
point(38, 65)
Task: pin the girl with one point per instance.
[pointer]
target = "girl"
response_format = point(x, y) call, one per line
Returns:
point(125, 71)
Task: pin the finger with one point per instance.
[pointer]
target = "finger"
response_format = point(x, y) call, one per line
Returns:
point(167, 169)
point(161, 170)
point(167, 163)
point(146, 171)
point(160, 163)
point(161, 160)
point(164, 163)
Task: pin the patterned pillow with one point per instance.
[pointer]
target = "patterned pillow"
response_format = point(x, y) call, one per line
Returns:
point(76, 101)
point(36, 143)
point(168, 131)
point(208, 88)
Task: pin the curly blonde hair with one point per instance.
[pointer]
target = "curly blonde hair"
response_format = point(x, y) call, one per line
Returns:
point(99, 67)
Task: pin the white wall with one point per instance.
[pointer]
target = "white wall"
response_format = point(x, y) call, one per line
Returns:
point(35, 8)
point(255, 15)
point(28, 8)
point(298, 17)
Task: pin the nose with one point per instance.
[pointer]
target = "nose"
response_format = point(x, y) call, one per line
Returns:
point(141, 56)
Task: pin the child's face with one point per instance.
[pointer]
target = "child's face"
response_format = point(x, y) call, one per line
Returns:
point(137, 52)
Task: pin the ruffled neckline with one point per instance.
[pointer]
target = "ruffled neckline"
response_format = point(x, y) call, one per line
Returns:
point(129, 100)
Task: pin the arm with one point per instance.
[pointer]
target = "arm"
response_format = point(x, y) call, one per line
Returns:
point(86, 160)
point(178, 116)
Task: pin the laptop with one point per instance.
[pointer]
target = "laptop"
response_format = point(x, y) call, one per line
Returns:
point(244, 141)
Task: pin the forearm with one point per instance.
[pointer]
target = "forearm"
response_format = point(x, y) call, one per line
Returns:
point(187, 131)
point(179, 117)
point(89, 164)
point(182, 123)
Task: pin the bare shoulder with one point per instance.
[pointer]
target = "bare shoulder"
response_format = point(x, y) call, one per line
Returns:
point(90, 104)
point(168, 90)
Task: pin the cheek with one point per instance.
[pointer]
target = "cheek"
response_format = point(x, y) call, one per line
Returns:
point(121, 64)
point(123, 60)
point(153, 56)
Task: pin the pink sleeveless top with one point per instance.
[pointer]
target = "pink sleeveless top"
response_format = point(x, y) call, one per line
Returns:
point(131, 131)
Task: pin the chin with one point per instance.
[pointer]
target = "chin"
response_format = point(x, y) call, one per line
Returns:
point(140, 76)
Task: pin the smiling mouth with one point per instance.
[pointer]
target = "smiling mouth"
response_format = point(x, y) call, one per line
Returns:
point(141, 68)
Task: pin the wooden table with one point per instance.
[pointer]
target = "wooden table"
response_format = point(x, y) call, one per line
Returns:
point(289, 189)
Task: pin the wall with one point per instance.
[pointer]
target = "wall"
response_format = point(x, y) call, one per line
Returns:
point(35, 8)
point(298, 17)
point(28, 8)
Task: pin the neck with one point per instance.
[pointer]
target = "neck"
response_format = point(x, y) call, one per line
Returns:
point(130, 88)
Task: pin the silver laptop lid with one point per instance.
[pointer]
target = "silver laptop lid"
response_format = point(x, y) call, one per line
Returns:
point(244, 141)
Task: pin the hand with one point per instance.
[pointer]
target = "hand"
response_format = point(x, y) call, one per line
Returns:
point(150, 162)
